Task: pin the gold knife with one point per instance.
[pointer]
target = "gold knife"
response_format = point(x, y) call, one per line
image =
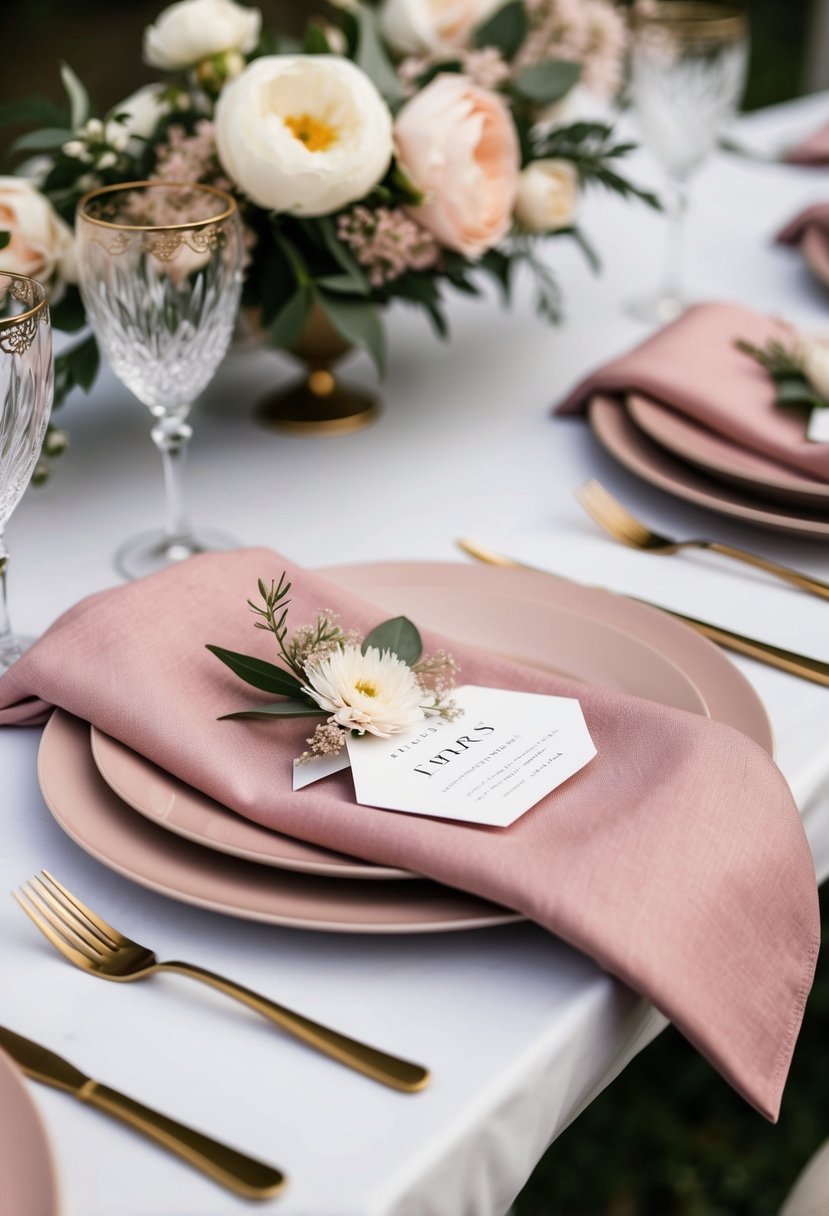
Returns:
point(786, 660)
point(240, 1173)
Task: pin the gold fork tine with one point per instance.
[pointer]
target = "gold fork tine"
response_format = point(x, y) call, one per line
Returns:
point(609, 514)
point(106, 930)
point(84, 961)
point(64, 919)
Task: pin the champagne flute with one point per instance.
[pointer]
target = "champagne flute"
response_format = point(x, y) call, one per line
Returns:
point(160, 270)
point(688, 67)
point(26, 389)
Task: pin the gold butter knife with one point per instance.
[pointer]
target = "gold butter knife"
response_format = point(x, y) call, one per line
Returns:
point(240, 1173)
point(801, 665)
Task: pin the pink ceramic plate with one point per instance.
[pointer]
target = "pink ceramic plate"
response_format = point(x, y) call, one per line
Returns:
point(188, 812)
point(698, 446)
point(632, 448)
point(89, 812)
point(550, 637)
point(28, 1181)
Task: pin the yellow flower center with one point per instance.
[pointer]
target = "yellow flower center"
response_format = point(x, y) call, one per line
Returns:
point(367, 689)
point(316, 135)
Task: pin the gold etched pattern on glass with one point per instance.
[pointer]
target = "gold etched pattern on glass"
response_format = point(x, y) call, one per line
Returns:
point(26, 389)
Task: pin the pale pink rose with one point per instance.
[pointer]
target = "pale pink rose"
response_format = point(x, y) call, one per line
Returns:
point(458, 144)
point(41, 243)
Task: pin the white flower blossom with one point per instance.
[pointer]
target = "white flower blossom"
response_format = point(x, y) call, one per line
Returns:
point(373, 692)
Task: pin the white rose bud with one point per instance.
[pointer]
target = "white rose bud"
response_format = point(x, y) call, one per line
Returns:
point(547, 195)
point(74, 148)
point(193, 30)
point(814, 359)
point(421, 27)
point(304, 134)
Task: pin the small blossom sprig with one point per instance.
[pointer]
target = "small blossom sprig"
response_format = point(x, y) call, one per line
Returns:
point(381, 684)
point(799, 368)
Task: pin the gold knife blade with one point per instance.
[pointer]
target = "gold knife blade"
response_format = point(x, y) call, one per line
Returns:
point(240, 1173)
point(794, 664)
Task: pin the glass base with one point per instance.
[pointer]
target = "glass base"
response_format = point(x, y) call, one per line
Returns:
point(153, 551)
point(12, 648)
point(659, 308)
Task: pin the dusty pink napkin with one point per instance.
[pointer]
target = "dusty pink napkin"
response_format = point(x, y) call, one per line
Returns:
point(694, 367)
point(796, 229)
point(676, 858)
point(814, 150)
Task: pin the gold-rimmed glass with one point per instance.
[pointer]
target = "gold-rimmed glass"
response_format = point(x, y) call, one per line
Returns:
point(26, 389)
point(688, 68)
point(160, 272)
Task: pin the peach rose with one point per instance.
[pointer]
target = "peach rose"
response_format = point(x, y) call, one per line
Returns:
point(41, 244)
point(458, 144)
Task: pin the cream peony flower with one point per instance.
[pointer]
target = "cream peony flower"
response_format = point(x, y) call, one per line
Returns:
point(372, 692)
point(459, 145)
point(190, 31)
point(433, 27)
point(547, 195)
point(42, 244)
point(814, 359)
point(143, 110)
point(305, 134)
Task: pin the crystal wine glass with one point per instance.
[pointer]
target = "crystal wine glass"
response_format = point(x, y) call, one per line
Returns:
point(26, 386)
point(688, 67)
point(160, 269)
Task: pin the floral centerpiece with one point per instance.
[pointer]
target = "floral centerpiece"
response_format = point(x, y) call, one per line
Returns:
point(393, 152)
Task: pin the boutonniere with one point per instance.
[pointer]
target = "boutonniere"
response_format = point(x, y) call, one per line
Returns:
point(381, 684)
point(799, 368)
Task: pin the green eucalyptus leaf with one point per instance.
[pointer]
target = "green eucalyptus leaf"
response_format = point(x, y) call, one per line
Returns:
point(341, 254)
point(85, 359)
point(32, 109)
point(5, 238)
point(546, 82)
point(343, 284)
point(399, 636)
point(278, 709)
point(290, 320)
point(358, 321)
point(257, 672)
point(506, 29)
point(371, 55)
point(795, 390)
point(315, 42)
point(78, 98)
point(45, 140)
point(68, 314)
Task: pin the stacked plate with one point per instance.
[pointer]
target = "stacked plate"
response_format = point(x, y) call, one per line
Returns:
point(691, 462)
point(149, 826)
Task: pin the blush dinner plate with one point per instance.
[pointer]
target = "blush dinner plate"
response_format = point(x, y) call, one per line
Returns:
point(553, 634)
point(620, 643)
point(28, 1179)
point(712, 453)
point(622, 438)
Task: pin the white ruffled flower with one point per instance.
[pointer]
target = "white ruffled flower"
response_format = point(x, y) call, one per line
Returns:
point(814, 359)
point(303, 134)
point(547, 195)
point(186, 33)
point(144, 109)
point(433, 27)
point(373, 692)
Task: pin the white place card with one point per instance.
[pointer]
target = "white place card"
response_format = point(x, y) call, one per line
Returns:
point(818, 429)
point(502, 756)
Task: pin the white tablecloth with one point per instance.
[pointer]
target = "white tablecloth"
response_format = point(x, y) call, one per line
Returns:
point(521, 1031)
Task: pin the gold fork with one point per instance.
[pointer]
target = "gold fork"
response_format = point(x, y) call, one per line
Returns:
point(86, 940)
point(616, 520)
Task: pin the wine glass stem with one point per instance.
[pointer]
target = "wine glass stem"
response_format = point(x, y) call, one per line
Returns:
point(676, 210)
point(171, 436)
point(9, 650)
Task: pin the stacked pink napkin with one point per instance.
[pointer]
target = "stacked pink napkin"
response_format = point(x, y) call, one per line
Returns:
point(813, 217)
point(814, 150)
point(676, 858)
point(694, 367)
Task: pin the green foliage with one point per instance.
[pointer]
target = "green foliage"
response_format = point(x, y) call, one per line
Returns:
point(5, 238)
point(590, 146)
point(79, 104)
point(369, 52)
point(76, 368)
point(505, 30)
point(262, 675)
point(544, 83)
point(357, 321)
point(399, 636)
point(278, 709)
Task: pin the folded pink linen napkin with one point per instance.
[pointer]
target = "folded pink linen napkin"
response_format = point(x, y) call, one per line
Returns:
point(814, 150)
point(796, 229)
point(676, 858)
point(694, 367)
